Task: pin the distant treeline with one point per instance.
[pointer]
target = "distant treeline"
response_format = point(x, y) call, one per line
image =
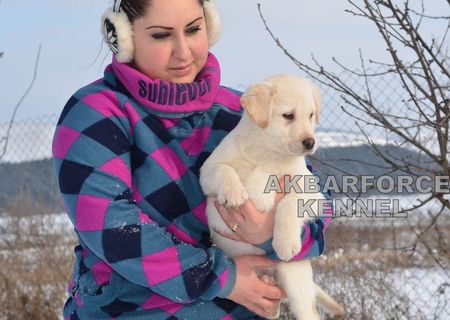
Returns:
point(35, 180)
point(29, 181)
point(361, 160)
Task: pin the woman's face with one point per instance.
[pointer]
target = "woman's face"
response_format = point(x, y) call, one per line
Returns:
point(170, 40)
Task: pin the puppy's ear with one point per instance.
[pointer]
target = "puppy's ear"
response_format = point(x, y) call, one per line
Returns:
point(317, 101)
point(258, 102)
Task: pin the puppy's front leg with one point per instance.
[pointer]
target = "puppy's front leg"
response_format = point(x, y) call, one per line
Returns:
point(256, 184)
point(222, 181)
point(287, 228)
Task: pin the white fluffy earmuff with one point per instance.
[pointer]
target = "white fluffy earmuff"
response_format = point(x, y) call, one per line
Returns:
point(212, 18)
point(118, 32)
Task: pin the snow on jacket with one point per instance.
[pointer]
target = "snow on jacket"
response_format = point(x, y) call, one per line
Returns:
point(127, 151)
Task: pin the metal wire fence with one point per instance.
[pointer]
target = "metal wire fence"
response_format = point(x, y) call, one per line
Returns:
point(378, 267)
point(28, 139)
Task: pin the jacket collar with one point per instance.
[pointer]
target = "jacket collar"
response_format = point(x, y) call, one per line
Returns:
point(168, 97)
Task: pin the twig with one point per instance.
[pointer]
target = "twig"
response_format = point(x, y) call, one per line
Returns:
point(5, 139)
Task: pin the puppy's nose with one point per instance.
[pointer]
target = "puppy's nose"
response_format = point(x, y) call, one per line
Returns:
point(309, 143)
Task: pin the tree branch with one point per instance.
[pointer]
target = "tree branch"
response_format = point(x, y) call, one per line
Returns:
point(4, 140)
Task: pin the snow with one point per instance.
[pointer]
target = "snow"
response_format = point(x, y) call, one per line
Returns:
point(405, 202)
point(344, 139)
point(429, 289)
point(32, 139)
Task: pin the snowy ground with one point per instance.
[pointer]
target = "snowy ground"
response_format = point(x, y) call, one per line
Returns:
point(427, 289)
point(402, 216)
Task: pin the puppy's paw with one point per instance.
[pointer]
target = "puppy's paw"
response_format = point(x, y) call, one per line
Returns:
point(232, 195)
point(306, 314)
point(286, 244)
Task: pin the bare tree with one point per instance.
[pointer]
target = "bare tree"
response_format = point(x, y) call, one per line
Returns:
point(4, 140)
point(421, 66)
point(418, 67)
point(1, 52)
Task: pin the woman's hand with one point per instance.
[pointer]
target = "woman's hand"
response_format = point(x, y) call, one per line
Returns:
point(252, 292)
point(247, 223)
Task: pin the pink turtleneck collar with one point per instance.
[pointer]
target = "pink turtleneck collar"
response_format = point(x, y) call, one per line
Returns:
point(169, 97)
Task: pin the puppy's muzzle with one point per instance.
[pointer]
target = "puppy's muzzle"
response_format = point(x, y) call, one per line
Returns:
point(309, 143)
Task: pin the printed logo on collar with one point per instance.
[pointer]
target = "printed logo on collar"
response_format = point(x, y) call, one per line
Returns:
point(169, 93)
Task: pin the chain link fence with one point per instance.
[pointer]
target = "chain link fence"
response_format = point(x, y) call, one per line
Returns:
point(394, 266)
point(26, 168)
point(378, 267)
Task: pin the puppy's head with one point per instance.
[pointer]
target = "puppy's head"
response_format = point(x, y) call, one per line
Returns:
point(287, 108)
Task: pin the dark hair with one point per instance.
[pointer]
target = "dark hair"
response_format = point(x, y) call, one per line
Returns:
point(137, 8)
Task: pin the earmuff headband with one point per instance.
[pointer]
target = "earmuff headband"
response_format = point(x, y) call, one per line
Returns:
point(116, 6)
point(118, 34)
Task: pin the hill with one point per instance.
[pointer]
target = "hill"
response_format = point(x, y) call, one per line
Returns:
point(35, 179)
point(361, 160)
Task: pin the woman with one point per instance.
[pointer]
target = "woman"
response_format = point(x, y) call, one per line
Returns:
point(127, 152)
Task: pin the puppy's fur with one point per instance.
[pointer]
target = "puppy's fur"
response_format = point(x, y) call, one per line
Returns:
point(272, 138)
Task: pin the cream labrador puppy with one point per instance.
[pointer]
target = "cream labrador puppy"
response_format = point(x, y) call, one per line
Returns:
point(272, 138)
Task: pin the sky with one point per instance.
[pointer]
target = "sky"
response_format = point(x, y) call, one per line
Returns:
point(72, 53)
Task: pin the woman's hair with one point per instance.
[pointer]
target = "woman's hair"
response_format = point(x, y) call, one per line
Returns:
point(137, 8)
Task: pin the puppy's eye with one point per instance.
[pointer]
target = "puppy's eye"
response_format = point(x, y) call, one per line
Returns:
point(311, 115)
point(288, 116)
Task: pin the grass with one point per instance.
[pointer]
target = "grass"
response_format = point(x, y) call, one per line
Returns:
point(36, 262)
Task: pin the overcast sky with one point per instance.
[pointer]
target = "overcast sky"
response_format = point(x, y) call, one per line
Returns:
point(69, 33)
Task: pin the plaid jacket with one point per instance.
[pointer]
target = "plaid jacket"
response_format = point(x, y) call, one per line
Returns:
point(127, 152)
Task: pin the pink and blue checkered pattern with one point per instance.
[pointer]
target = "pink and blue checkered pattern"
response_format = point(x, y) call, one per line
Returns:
point(129, 176)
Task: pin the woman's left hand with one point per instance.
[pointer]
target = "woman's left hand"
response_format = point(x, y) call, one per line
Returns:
point(247, 223)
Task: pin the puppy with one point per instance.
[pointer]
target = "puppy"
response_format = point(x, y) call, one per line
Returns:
point(272, 138)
